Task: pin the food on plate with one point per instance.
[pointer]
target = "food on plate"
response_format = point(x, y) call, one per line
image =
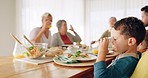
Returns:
point(66, 60)
point(84, 47)
point(77, 54)
point(54, 51)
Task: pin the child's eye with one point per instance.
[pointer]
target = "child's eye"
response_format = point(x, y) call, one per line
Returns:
point(114, 39)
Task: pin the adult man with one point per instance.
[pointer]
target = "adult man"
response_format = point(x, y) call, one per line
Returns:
point(144, 16)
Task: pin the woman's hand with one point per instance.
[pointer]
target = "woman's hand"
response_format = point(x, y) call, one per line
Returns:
point(45, 25)
point(71, 28)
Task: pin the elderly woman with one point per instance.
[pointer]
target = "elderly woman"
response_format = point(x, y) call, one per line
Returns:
point(42, 34)
point(62, 37)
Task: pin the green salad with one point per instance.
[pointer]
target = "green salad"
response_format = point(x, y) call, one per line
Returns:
point(77, 54)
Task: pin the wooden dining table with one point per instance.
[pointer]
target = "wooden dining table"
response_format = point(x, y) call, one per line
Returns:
point(11, 68)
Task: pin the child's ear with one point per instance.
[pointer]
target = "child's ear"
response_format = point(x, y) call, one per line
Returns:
point(131, 41)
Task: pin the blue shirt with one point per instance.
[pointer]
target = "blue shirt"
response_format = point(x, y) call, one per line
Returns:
point(121, 68)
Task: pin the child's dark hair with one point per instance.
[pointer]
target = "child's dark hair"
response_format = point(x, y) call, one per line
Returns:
point(145, 9)
point(146, 38)
point(131, 27)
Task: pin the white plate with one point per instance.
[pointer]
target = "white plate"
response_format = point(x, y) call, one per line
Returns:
point(89, 58)
point(81, 64)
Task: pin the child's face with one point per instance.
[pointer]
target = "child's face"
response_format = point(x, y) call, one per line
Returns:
point(119, 43)
point(142, 46)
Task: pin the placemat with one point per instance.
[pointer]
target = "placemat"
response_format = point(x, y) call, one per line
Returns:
point(37, 61)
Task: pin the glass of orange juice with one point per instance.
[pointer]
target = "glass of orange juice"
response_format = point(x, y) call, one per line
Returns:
point(95, 51)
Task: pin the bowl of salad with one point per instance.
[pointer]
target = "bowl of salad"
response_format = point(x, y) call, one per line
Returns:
point(36, 50)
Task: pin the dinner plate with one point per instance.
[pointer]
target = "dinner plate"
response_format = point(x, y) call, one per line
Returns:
point(81, 64)
point(89, 58)
point(110, 54)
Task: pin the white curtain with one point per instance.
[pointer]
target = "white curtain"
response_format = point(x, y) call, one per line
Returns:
point(29, 14)
point(98, 13)
point(88, 17)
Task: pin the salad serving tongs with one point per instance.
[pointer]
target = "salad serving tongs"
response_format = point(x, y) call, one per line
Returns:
point(28, 40)
point(15, 38)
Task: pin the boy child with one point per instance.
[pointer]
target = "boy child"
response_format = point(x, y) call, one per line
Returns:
point(126, 34)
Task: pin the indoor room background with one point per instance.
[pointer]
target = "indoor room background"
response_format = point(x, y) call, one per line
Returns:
point(88, 17)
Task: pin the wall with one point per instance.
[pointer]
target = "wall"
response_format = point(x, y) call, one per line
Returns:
point(7, 26)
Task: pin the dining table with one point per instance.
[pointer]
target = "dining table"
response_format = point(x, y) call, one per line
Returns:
point(12, 68)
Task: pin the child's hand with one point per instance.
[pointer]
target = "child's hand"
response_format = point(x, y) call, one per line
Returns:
point(103, 49)
point(103, 45)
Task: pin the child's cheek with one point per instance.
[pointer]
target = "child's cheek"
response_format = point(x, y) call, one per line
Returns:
point(114, 48)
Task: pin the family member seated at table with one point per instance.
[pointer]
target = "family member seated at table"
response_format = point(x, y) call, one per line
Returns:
point(142, 47)
point(107, 33)
point(144, 16)
point(126, 34)
point(42, 34)
point(62, 37)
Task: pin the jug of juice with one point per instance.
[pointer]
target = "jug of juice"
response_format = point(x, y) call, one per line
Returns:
point(18, 51)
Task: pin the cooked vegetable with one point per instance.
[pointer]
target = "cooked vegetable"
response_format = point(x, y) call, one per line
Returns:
point(67, 60)
point(26, 53)
point(77, 54)
point(30, 48)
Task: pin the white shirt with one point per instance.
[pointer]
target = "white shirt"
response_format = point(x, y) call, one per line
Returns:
point(43, 39)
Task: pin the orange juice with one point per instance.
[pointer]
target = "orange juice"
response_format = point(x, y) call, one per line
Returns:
point(49, 26)
point(95, 51)
point(19, 56)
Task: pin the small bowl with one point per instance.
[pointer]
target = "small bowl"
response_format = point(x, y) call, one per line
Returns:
point(53, 51)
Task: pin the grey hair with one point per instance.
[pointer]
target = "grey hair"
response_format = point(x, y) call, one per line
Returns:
point(59, 23)
point(113, 18)
point(46, 14)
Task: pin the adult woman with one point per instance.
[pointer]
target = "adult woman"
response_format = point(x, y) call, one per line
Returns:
point(42, 34)
point(62, 37)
